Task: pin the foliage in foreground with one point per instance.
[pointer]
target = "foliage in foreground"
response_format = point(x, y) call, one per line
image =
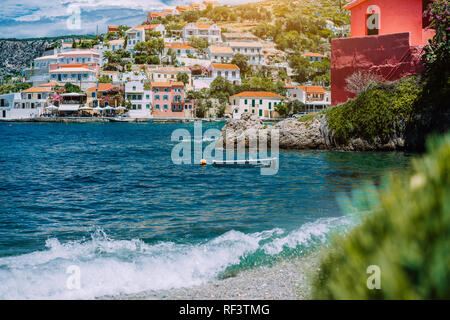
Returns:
point(407, 235)
point(380, 112)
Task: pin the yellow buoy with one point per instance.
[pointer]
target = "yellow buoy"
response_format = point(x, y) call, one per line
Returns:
point(203, 162)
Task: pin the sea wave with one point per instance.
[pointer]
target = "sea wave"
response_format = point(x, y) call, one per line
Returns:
point(115, 267)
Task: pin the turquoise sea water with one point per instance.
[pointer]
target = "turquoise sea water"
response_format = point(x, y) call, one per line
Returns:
point(108, 199)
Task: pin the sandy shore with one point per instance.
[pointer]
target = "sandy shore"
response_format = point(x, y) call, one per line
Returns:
point(286, 280)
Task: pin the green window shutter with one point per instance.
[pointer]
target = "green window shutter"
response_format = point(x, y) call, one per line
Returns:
point(245, 101)
point(270, 105)
point(260, 113)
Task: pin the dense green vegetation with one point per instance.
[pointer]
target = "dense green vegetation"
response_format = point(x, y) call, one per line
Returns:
point(432, 112)
point(15, 87)
point(407, 235)
point(379, 112)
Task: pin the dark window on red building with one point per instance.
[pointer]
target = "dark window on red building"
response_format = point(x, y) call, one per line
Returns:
point(373, 24)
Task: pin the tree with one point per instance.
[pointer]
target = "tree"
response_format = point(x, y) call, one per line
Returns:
point(69, 87)
point(104, 79)
point(295, 106)
point(242, 62)
point(302, 68)
point(190, 16)
point(200, 44)
point(221, 86)
point(183, 77)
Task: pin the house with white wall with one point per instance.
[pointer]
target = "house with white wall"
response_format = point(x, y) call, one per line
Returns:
point(115, 45)
point(137, 34)
point(82, 75)
point(164, 74)
point(220, 54)
point(180, 49)
point(315, 98)
point(208, 32)
point(230, 72)
point(253, 50)
point(259, 103)
point(140, 99)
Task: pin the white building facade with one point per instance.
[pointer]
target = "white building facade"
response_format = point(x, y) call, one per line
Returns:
point(140, 99)
point(252, 50)
point(261, 104)
point(208, 32)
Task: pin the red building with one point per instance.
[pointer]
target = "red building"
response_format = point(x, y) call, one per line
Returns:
point(387, 37)
point(169, 102)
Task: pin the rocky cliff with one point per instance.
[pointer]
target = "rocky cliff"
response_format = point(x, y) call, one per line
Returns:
point(298, 134)
point(15, 55)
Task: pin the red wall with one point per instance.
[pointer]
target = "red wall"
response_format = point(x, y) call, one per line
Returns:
point(387, 55)
point(395, 16)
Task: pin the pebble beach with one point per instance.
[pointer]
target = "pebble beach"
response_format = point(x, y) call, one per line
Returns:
point(286, 280)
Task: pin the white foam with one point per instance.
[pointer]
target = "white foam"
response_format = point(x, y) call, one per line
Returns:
point(113, 267)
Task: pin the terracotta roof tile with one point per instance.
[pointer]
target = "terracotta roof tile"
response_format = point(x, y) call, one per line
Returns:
point(257, 94)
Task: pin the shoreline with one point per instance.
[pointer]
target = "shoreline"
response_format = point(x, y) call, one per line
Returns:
point(285, 280)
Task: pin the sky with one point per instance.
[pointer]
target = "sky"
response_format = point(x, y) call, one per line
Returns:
point(47, 18)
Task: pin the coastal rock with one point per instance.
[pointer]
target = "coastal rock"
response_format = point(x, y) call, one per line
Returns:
point(298, 134)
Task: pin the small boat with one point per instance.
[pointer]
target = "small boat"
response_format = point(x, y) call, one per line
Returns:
point(248, 163)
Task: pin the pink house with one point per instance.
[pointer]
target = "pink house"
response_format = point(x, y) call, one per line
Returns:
point(168, 101)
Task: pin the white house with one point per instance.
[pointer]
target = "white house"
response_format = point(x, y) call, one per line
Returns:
point(115, 45)
point(260, 103)
point(137, 34)
point(141, 99)
point(220, 54)
point(314, 97)
point(29, 103)
point(253, 50)
point(82, 75)
point(163, 74)
point(208, 32)
point(10, 111)
point(181, 49)
point(230, 72)
point(40, 72)
point(79, 56)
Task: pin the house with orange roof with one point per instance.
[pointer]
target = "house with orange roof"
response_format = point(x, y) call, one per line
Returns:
point(155, 15)
point(137, 34)
point(29, 103)
point(259, 103)
point(229, 72)
point(220, 54)
point(315, 98)
point(209, 32)
point(182, 9)
point(113, 28)
point(104, 94)
point(213, 4)
point(312, 56)
point(162, 74)
point(83, 75)
point(181, 49)
point(197, 6)
point(169, 100)
point(253, 50)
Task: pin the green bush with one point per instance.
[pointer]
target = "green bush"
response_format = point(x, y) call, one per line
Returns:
point(378, 113)
point(406, 234)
